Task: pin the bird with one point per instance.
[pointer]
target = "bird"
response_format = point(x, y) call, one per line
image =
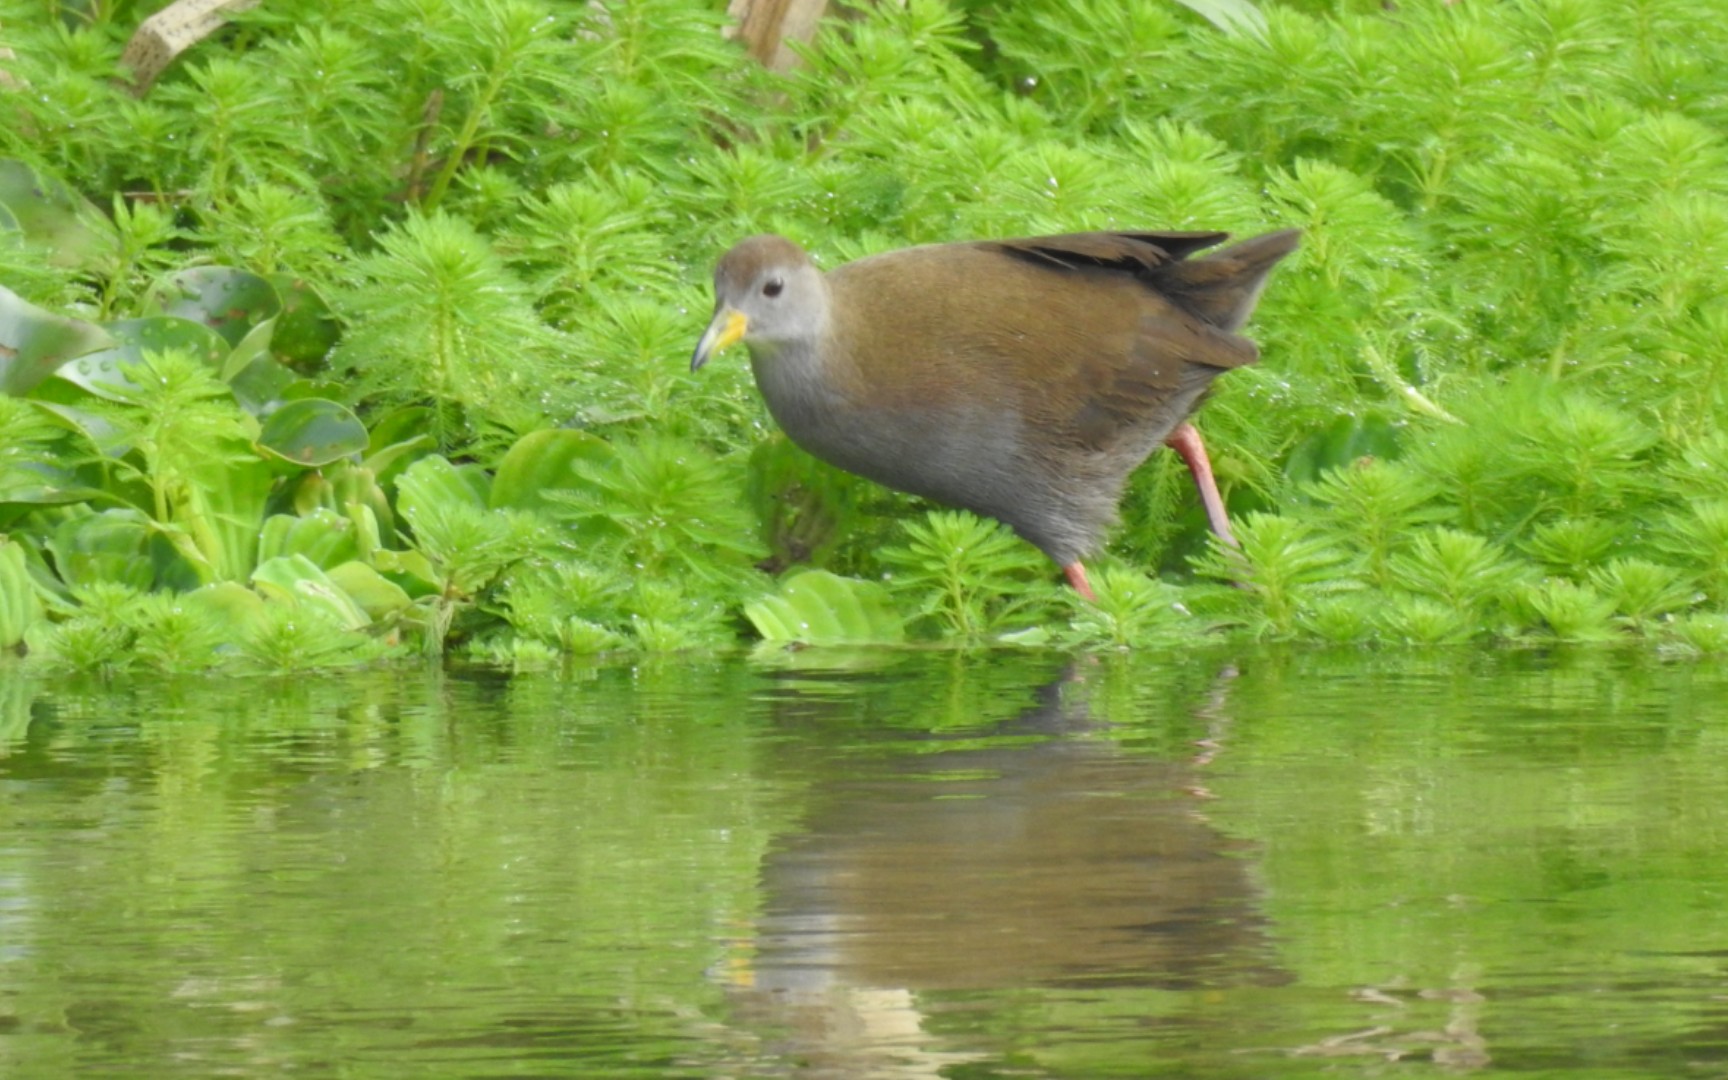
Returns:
point(1023, 380)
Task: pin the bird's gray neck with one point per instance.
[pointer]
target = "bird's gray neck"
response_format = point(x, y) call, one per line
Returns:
point(791, 377)
point(793, 370)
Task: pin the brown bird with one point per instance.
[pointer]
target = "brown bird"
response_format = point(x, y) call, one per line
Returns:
point(1020, 379)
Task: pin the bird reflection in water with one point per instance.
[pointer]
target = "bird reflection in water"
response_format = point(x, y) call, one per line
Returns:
point(1034, 853)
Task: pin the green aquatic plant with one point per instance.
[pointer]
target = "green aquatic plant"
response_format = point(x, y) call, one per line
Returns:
point(333, 240)
point(1696, 537)
point(439, 318)
point(1133, 610)
point(1460, 569)
point(1423, 620)
point(1643, 591)
point(967, 575)
point(1569, 611)
point(1373, 507)
point(1573, 546)
point(1282, 564)
point(661, 506)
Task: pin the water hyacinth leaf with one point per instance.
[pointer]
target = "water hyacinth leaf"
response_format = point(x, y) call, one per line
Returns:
point(110, 547)
point(70, 407)
point(229, 301)
point(229, 604)
point(305, 330)
point(103, 372)
point(434, 485)
point(255, 344)
point(20, 607)
point(376, 594)
point(324, 536)
point(50, 214)
point(43, 483)
point(297, 579)
point(34, 342)
point(312, 432)
point(262, 384)
point(302, 388)
point(543, 461)
point(397, 440)
point(815, 607)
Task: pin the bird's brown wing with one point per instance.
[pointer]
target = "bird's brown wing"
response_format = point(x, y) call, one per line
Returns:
point(1069, 332)
point(1154, 382)
point(1122, 355)
point(1131, 253)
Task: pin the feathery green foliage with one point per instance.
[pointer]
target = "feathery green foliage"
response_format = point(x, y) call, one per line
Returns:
point(1490, 407)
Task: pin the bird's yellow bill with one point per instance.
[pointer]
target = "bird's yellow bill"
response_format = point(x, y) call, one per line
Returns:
point(727, 328)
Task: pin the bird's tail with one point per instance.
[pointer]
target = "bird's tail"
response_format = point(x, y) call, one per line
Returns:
point(1223, 287)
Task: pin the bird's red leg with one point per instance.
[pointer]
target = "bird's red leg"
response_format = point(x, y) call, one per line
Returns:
point(1186, 441)
point(1076, 575)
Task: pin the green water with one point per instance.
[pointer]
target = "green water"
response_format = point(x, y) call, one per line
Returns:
point(1007, 865)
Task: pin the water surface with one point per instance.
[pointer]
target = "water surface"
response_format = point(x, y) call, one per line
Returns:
point(1262, 864)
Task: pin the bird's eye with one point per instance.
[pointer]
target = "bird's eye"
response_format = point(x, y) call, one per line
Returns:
point(772, 287)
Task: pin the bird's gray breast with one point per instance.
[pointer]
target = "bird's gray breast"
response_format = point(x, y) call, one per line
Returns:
point(962, 455)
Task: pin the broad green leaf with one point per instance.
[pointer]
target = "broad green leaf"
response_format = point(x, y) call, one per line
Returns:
point(226, 511)
point(255, 345)
point(34, 342)
point(236, 608)
point(42, 483)
point(544, 461)
point(53, 216)
point(298, 579)
point(101, 372)
point(112, 546)
point(815, 607)
point(376, 594)
point(433, 486)
point(411, 570)
point(306, 330)
point(229, 301)
point(20, 607)
point(324, 536)
point(261, 385)
point(397, 440)
point(1341, 443)
point(312, 432)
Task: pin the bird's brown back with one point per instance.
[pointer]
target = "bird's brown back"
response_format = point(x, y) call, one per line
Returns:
point(1072, 333)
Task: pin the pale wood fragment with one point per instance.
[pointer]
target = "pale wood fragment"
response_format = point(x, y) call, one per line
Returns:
point(768, 27)
point(170, 32)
